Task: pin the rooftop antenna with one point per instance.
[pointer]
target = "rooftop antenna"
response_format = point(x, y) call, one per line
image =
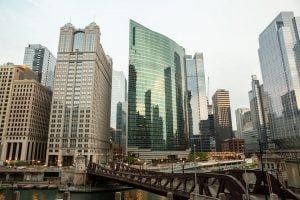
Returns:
point(94, 18)
point(70, 20)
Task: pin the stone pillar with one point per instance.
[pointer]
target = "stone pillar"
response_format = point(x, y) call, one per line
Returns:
point(24, 151)
point(3, 153)
point(16, 195)
point(67, 196)
point(11, 150)
point(118, 196)
point(17, 152)
point(169, 196)
point(29, 151)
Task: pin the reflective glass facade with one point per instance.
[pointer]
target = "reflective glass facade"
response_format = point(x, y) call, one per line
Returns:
point(280, 65)
point(241, 119)
point(157, 95)
point(197, 107)
point(42, 61)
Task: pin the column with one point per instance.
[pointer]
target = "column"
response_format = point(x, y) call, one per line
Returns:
point(3, 153)
point(11, 150)
point(24, 151)
point(17, 152)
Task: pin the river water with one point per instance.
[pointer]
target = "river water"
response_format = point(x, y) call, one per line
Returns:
point(134, 194)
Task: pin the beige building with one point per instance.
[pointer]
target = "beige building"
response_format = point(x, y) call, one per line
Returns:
point(24, 113)
point(80, 113)
point(222, 117)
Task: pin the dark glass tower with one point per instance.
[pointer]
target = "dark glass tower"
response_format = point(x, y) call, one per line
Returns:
point(157, 94)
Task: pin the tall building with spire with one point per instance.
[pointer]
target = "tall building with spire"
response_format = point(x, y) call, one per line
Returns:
point(80, 112)
point(197, 110)
point(279, 55)
point(42, 61)
point(222, 117)
point(157, 94)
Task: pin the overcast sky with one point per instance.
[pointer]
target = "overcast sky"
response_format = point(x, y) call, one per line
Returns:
point(226, 31)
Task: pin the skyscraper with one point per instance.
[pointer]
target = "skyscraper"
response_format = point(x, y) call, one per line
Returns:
point(80, 112)
point(197, 112)
point(157, 93)
point(240, 120)
point(42, 61)
point(279, 54)
point(24, 112)
point(259, 113)
point(222, 117)
point(118, 108)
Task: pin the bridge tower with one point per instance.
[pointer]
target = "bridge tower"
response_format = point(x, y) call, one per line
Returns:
point(80, 171)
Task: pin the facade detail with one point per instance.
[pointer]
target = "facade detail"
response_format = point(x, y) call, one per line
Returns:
point(42, 61)
point(222, 117)
point(80, 112)
point(279, 50)
point(24, 113)
point(197, 108)
point(157, 92)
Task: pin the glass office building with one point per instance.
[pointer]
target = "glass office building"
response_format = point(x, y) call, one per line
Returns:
point(279, 54)
point(42, 61)
point(197, 107)
point(157, 94)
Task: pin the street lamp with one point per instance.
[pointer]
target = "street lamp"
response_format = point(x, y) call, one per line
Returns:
point(195, 169)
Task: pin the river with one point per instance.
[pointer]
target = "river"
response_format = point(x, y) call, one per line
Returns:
point(134, 194)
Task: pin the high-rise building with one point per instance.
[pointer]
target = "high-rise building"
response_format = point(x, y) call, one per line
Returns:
point(240, 121)
point(80, 112)
point(279, 54)
point(259, 113)
point(197, 107)
point(118, 108)
point(211, 127)
point(42, 61)
point(222, 117)
point(157, 92)
point(118, 94)
point(24, 113)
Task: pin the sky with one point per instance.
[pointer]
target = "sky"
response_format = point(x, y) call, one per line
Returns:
point(226, 31)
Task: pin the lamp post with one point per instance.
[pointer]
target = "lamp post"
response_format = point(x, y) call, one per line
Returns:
point(195, 169)
point(262, 167)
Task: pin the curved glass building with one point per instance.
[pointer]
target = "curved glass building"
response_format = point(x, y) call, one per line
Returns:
point(157, 94)
point(279, 54)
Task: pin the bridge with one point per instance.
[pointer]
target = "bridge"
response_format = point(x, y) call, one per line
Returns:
point(211, 185)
